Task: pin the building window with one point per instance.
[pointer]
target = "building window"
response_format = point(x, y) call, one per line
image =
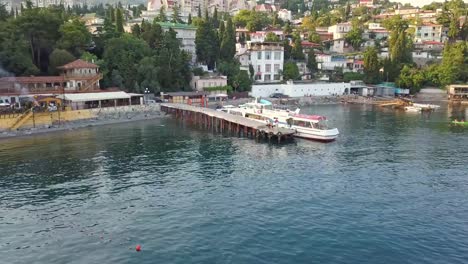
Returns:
point(277, 77)
point(267, 77)
point(259, 55)
point(268, 68)
point(276, 67)
point(426, 34)
point(258, 77)
point(267, 55)
point(277, 55)
point(259, 68)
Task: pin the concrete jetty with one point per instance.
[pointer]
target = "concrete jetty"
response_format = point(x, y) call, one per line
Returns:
point(224, 122)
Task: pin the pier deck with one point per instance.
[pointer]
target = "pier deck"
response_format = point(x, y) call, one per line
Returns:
point(222, 121)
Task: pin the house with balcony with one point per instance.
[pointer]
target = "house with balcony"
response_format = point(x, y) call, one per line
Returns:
point(340, 30)
point(429, 32)
point(76, 76)
point(267, 59)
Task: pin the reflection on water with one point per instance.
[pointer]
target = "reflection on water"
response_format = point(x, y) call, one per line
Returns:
point(391, 189)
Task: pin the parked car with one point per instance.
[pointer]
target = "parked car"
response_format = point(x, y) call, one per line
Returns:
point(278, 95)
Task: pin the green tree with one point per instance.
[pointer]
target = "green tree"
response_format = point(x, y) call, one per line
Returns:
point(148, 74)
point(272, 37)
point(136, 30)
point(4, 15)
point(123, 54)
point(162, 15)
point(59, 58)
point(14, 52)
point(175, 18)
point(297, 52)
point(215, 19)
point(189, 20)
point(75, 37)
point(287, 49)
point(311, 61)
point(399, 48)
point(228, 43)
point(291, 71)
point(410, 78)
point(119, 21)
point(354, 36)
point(40, 27)
point(371, 66)
point(206, 49)
point(314, 37)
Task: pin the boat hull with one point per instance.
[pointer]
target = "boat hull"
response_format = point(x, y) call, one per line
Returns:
point(329, 136)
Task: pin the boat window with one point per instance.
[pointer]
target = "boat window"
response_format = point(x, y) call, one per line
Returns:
point(323, 124)
point(301, 123)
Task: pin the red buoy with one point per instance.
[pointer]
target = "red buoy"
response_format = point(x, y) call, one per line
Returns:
point(138, 248)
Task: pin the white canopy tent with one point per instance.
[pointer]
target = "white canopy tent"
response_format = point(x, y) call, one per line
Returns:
point(93, 100)
point(86, 97)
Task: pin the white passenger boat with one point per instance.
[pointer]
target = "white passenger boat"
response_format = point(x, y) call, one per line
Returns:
point(312, 127)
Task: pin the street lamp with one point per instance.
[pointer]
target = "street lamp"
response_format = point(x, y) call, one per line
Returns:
point(146, 92)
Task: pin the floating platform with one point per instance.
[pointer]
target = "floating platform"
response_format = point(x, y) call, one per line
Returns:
point(224, 122)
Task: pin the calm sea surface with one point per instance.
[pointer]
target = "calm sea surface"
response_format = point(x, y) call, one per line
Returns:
point(392, 189)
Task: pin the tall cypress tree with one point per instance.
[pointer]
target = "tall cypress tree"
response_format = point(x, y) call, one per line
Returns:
point(228, 43)
point(119, 21)
point(189, 20)
point(215, 18)
point(199, 12)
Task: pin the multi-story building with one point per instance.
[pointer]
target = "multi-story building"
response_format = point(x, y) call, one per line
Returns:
point(76, 76)
point(340, 30)
point(267, 60)
point(429, 32)
point(186, 34)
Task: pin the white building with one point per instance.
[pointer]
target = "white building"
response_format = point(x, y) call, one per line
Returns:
point(340, 30)
point(267, 60)
point(328, 62)
point(429, 32)
point(340, 46)
point(186, 35)
point(285, 15)
point(298, 90)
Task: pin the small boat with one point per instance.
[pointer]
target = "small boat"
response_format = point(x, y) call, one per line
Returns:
point(412, 109)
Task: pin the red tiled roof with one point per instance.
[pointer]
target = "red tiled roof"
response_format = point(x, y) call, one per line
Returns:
point(78, 64)
point(428, 42)
point(309, 44)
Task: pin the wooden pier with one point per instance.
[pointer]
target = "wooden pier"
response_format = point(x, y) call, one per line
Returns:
point(224, 122)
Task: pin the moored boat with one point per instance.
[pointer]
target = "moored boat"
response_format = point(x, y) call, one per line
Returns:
point(311, 127)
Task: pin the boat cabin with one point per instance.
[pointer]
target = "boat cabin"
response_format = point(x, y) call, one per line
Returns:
point(308, 121)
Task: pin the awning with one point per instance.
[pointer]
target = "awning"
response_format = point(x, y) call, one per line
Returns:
point(85, 97)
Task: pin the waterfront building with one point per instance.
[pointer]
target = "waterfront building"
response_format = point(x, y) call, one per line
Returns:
point(195, 98)
point(458, 91)
point(267, 59)
point(199, 83)
point(76, 76)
